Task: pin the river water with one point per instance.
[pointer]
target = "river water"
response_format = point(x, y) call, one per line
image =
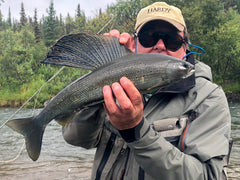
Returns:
point(59, 160)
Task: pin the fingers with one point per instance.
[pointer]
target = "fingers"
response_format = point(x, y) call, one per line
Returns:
point(110, 104)
point(124, 103)
point(126, 94)
point(124, 38)
point(128, 40)
point(131, 90)
point(122, 98)
point(128, 110)
point(114, 33)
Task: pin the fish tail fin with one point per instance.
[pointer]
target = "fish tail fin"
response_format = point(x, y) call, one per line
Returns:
point(32, 133)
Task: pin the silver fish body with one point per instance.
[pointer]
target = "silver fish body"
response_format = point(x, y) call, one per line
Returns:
point(148, 72)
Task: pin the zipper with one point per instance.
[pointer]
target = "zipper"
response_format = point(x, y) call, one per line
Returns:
point(125, 165)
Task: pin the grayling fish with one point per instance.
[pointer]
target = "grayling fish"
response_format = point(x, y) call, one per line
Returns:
point(108, 62)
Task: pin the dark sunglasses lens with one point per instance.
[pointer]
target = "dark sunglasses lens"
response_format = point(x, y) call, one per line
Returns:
point(172, 41)
point(147, 39)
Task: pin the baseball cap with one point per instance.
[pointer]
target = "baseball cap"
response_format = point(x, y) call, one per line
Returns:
point(160, 11)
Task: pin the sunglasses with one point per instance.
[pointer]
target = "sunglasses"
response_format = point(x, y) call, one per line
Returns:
point(172, 41)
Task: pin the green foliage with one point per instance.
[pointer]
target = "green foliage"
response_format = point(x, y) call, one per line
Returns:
point(23, 18)
point(69, 24)
point(125, 13)
point(226, 49)
point(212, 24)
point(80, 20)
point(232, 87)
point(18, 57)
point(51, 30)
point(36, 27)
point(97, 23)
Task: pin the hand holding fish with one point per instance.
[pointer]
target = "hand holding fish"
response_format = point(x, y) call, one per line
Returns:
point(124, 38)
point(129, 112)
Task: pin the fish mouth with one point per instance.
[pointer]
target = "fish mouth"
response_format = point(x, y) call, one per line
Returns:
point(191, 71)
point(189, 68)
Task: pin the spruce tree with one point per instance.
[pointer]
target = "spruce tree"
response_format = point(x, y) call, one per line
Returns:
point(69, 24)
point(61, 26)
point(1, 20)
point(36, 28)
point(79, 13)
point(23, 19)
point(80, 20)
point(9, 20)
point(51, 30)
point(15, 25)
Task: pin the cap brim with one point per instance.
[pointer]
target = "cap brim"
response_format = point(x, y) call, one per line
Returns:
point(179, 26)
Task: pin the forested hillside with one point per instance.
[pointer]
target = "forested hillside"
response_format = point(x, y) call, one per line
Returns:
point(212, 24)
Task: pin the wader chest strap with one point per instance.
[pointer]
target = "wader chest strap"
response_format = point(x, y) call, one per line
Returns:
point(106, 155)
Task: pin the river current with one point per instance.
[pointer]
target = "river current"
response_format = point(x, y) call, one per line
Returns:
point(59, 160)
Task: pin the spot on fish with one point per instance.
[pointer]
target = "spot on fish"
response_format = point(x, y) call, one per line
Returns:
point(142, 79)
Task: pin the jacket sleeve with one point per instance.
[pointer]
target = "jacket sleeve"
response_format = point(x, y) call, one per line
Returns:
point(201, 151)
point(85, 128)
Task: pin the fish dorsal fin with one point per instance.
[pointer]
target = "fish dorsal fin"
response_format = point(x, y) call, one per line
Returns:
point(84, 50)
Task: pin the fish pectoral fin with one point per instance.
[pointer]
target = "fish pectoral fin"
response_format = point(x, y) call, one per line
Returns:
point(152, 88)
point(32, 133)
point(65, 121)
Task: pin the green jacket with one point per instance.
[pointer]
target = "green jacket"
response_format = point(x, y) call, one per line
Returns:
point(182, 136)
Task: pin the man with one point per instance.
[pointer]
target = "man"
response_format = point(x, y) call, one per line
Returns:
point(179, 132)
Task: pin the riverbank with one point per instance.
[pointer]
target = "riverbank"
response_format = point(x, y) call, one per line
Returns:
point(10, 103)
point(231, 97)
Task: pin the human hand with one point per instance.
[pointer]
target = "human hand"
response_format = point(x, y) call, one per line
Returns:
point(124, 38)
point(129, 112)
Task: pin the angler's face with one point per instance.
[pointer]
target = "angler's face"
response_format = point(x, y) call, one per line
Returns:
point(161, 29)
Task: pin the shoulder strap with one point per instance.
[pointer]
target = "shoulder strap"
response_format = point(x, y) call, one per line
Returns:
point(106, 155)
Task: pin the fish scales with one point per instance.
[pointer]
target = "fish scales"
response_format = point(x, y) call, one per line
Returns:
point(89, 88)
